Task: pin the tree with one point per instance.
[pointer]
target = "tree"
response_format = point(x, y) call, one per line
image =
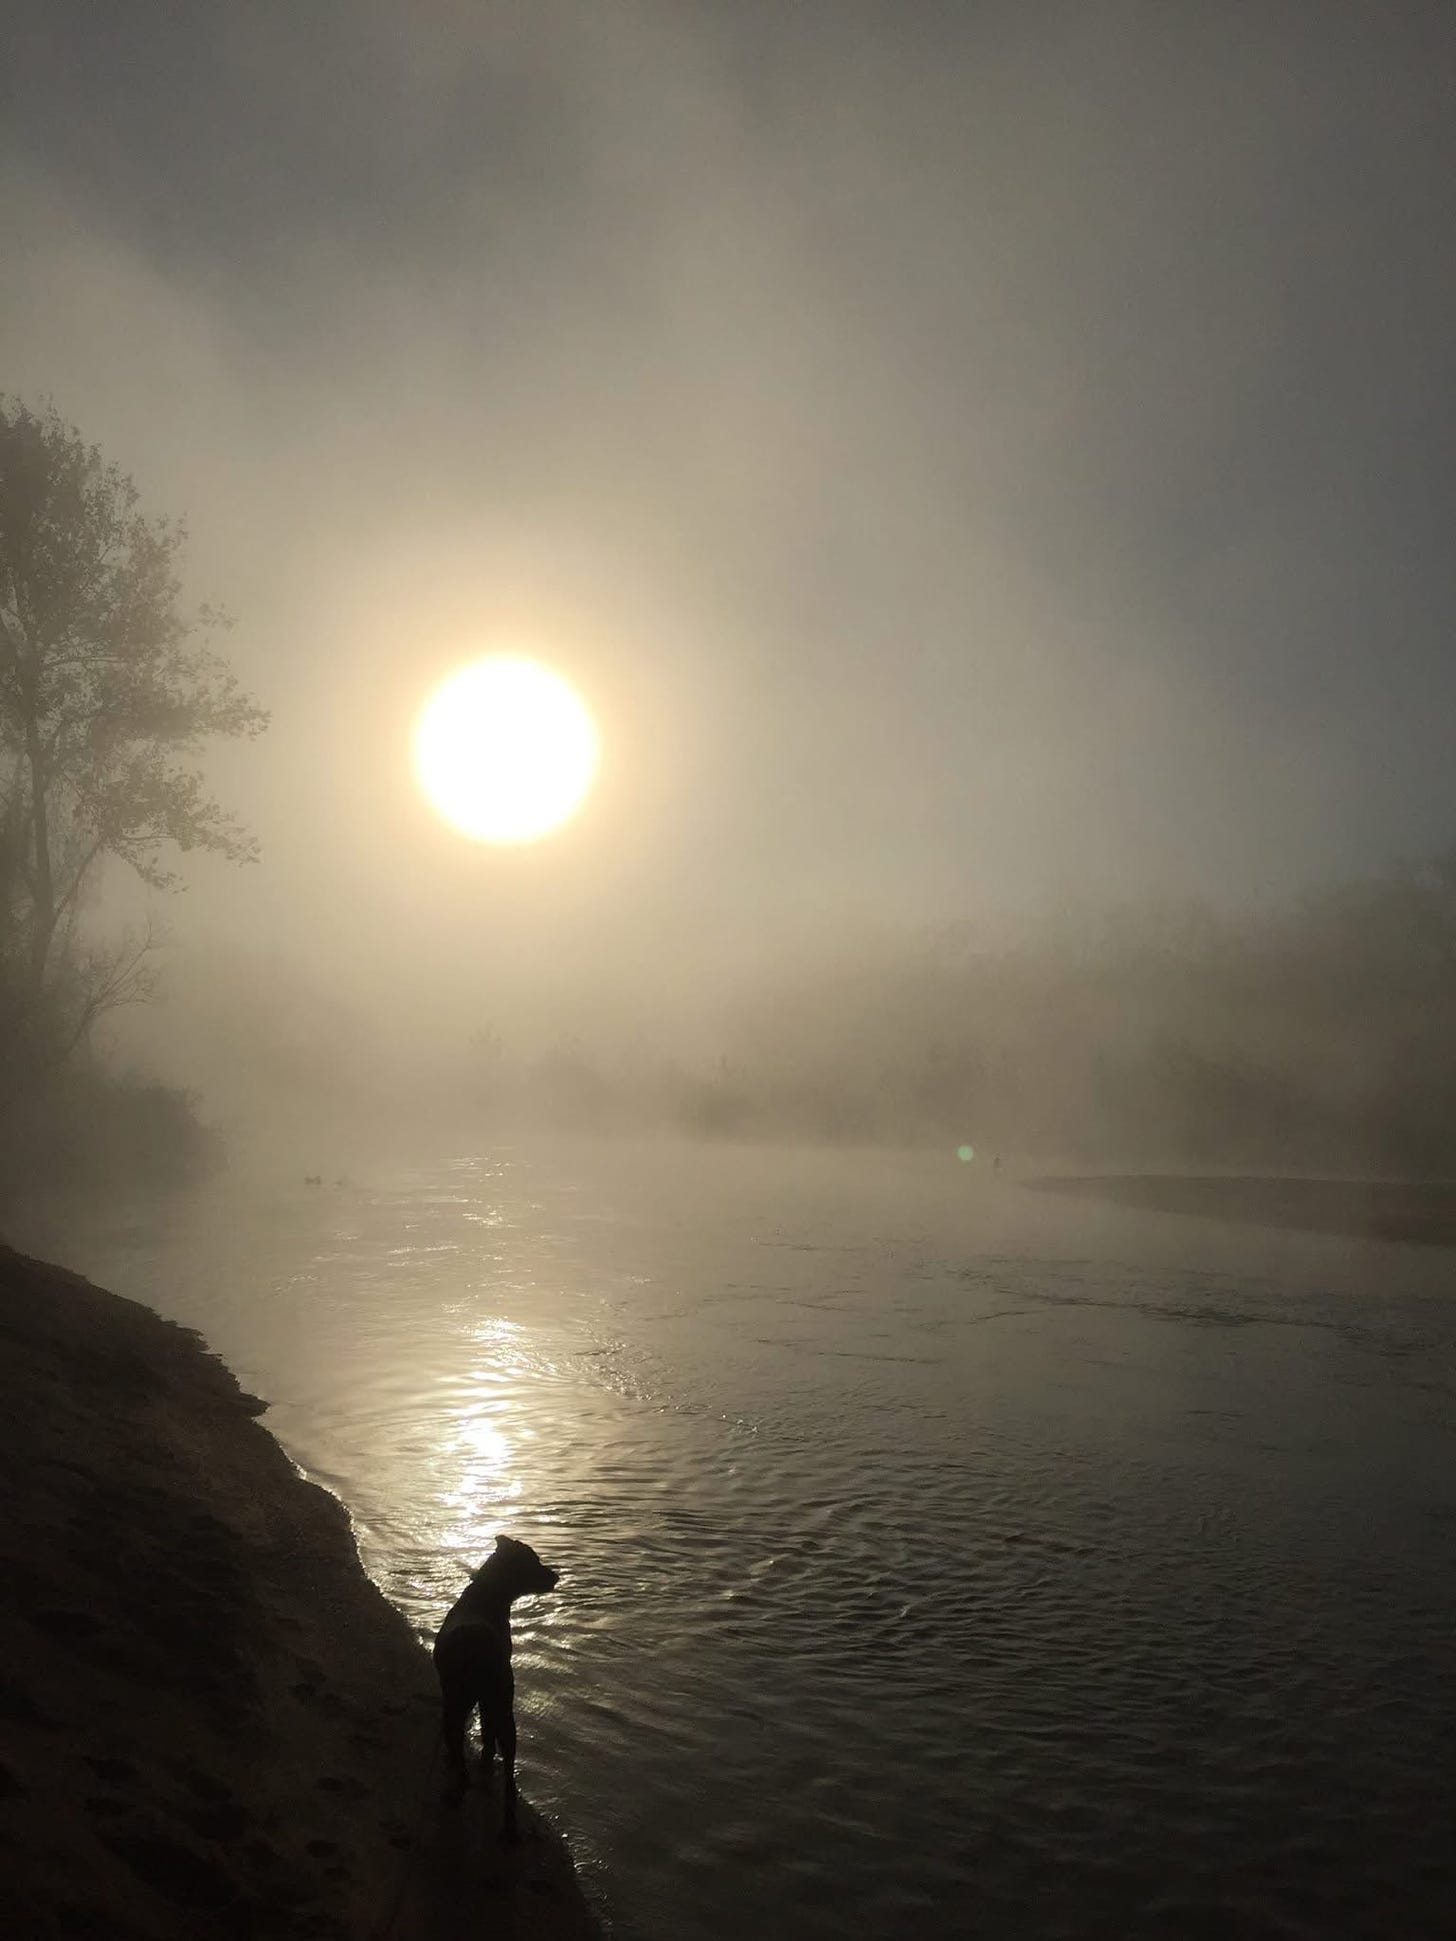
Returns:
point(108, 690)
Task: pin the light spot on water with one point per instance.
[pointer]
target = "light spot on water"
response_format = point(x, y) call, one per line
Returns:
point(486, 1440)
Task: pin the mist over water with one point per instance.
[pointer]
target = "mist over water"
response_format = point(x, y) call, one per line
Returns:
point(935, 1556)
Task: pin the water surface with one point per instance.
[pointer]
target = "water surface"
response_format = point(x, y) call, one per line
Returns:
point(938, 1559)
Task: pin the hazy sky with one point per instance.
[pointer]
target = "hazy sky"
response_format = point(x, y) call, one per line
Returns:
point(969, 456)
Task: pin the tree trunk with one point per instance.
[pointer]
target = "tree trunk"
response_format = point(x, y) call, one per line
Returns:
point(43, 889)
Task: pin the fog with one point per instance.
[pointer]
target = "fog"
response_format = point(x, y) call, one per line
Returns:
point(983, 467)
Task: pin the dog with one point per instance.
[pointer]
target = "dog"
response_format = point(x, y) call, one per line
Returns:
point(473, 1658)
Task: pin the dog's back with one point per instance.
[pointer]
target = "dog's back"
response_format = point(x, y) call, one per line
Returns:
point(472, 1655)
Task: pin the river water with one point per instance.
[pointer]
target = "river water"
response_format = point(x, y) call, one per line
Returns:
point(937, 1558)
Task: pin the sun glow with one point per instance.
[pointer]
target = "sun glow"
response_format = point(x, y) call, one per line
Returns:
point(505, 750)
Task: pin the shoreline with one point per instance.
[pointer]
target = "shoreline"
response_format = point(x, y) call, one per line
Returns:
point(214, 1723)
point(1420, 1213)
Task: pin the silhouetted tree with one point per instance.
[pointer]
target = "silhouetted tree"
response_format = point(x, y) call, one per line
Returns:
point(107, 690)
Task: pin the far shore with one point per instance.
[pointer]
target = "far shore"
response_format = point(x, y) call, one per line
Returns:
point(1421, 1212)
point(214, 1723)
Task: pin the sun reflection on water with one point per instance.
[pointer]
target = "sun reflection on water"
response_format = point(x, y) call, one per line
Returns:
point(487, 1442)
point(477, 1460)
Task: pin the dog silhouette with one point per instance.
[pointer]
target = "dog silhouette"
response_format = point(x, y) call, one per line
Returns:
point(473, 1659)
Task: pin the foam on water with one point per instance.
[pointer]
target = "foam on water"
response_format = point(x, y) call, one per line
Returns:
point(936, 1560)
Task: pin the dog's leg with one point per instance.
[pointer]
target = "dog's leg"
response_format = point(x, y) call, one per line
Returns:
point(455, 1713)
point(506, 1733)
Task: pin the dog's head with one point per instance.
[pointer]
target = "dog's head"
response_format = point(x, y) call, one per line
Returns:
point(517, 1566)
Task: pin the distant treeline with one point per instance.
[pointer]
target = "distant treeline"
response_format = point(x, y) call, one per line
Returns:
point(1319, 1036)
point(88, 1130)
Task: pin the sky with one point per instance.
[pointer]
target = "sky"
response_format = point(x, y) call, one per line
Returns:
point(971, 458)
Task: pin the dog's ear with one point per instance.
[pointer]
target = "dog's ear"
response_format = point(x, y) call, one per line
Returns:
point(502, 1543)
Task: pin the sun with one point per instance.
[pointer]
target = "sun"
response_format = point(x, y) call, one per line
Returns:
point(505, 749)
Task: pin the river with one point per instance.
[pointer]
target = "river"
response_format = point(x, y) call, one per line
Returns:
point(937, 1559)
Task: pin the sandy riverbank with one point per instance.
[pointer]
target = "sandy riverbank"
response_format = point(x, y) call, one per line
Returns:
point(1423, 1212)
point(213, 1724)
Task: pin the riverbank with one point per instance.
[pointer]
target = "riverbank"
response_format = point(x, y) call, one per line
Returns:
point(1421, 1212)
point(214, 1724)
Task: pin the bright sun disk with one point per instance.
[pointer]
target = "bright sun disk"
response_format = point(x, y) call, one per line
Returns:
point(505, 749)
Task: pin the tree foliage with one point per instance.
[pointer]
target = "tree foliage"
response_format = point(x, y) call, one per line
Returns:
point(108, 690)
